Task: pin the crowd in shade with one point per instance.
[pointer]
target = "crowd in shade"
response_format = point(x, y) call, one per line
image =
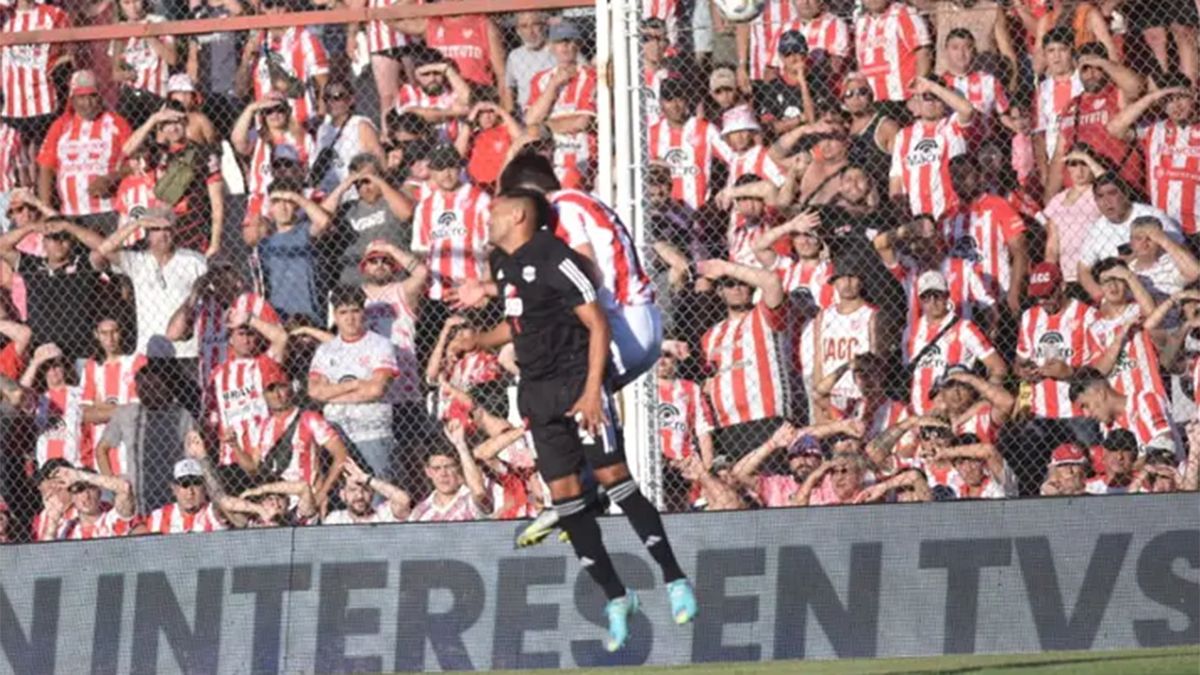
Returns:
point(896, 252)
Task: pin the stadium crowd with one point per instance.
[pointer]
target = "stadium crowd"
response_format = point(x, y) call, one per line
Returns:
point(902, 252)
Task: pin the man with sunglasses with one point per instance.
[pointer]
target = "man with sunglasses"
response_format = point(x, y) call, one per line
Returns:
point(440, 95)
point(972, 404)
point(921, 153)
point(192, 511)
point(61, 278)
point(341, 136)
point(373, 211)
point(91, 518)
point(80, 158)
point(1171, 146)
point(685, 143)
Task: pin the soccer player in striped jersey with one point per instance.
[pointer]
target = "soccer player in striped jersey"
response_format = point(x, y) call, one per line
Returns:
point(1145, 413)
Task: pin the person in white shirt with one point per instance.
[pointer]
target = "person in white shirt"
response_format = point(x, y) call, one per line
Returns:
point(1110, 233)
point(1163, 265)
point(531, 58)
point(358, 492)
point(351, 374)
point(459, 492)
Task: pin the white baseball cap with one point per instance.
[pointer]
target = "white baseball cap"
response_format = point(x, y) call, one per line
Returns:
point(187, 468)
point(180, 83)
point(932, 280)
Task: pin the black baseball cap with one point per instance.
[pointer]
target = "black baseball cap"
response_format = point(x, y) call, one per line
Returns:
point(444, 156)
point(1121, 440)
point(792, 42)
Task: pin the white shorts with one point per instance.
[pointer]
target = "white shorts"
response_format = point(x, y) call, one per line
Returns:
point(637, 335)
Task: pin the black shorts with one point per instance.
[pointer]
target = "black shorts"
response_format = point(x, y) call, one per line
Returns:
point(1143, 14)
point(560, 446)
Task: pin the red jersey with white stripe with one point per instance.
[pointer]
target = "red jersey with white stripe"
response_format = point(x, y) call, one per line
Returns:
point(111, 383)
point(258, 179)
point(40, 522)
point(652, 81)
point(469, 370)
point(59, 421)
point(452, 229)
point(237, 404)
point(581, 219)
point(981, 232)
point(134, 191)
point(968, 292)
point(744, 233)
point(987, 97)
point(747, 359)
point(464, 40)
point(843, 336)
point(1137, 367)
point(1085, 120)
point(460, 508)
point(921, 160)
point(755, 161)
point(1045, 337)
point(212, 332)
point(764, 34)
point(1147, 415)
point(411, 96)
point(575, 154)
point(108, 524)
point(1054, 94)
point(878, 419)
point(312, 433)
point(1173, 170)
point(78, 150)
point(150, 71)
point(827, 33)
point(171, 519)
point(683, 415)
point(807, 276)
point(303, 57)
point(381, 36)
point(689, 151)
point(25, 69)
point(12, 155)
point(886, 46)
point(979, 422)
point(388, 313)
point(962, 344)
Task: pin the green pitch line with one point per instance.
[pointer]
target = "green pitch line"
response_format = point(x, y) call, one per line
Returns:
point(1171, 661)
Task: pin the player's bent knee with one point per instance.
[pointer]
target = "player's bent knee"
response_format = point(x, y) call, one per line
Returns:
point(611, 475)
point(565, 488)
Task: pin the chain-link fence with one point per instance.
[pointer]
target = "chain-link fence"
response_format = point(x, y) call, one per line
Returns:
point(925, 251)
point(240, 267)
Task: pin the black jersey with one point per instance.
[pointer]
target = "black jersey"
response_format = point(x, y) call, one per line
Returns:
point(541, 284)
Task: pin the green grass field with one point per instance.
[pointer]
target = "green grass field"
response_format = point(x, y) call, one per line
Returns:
point(1173, 661)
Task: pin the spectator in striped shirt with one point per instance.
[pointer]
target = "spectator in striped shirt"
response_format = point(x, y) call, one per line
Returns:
point(92, 518)
point(1066, 473)
point(1143, 412)
point(279, 503)
point(459, 489)
point(5, 523)
point(141, 65)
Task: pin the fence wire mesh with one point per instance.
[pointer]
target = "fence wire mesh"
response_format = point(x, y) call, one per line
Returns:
point(875, 285)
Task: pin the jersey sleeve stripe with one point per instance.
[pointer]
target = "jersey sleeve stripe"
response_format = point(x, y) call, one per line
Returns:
point(576, 277)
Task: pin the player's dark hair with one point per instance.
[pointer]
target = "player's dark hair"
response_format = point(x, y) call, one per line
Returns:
point(1085, 378)
point(530, 171)
point(543, 212)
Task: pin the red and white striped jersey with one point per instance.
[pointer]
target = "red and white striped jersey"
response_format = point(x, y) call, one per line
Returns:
point(689, 151)
point(258, 179)
point(25, 69)
point(1173, 170)
point(982, 89)
point(381, 513)
point(981, 233)
point(578, 95)
point(411, 96)
point(40, 523)
point(135, 190)
point(1137, 367)
point(652, 88)
point(212, 333)
point(78, 150)
point(1054, 94)
point(171, 519)
point(150, 71)
point(885, 415)
point(979, 422)
point(968, 292)
point(684, 415)
point(111, 383)
point(312, 433)
point(467, 371)
point(827, 33)
point(744, 233)
point(1045, 337)
point(108, 524)
point(764, 34)
point(460, 508)
point(809, 277)
point(1147, 415)
point(464, 40)
point(886, 46)
point(575, 154)
point(299, 53)
point(963, 344)
point(582, 219)
point(13, 154)
point(921, 160)
point(388, 313)
point(236, 402)
point(755, 161)
point(747, 361)
point(452, 229)
point(381, 36)
point(59, 422)
point(668, 11)
point(843, 336)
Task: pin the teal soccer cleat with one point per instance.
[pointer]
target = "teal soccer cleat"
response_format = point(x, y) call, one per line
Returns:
point(618, 612)
point(683, 601)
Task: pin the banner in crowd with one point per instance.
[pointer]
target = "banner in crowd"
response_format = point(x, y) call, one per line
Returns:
point(1005, 576)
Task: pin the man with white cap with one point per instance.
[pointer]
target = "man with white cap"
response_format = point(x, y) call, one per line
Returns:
point(192, 511)
point(79, 162)
point(939, 338)
point(740, 129)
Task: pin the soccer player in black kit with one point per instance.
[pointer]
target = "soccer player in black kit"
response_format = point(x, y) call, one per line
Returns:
point(561, 337)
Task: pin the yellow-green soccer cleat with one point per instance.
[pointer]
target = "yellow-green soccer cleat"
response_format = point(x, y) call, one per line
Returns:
point(537, 531)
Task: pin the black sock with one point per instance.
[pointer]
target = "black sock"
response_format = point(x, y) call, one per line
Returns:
point(580, 523)
point(648, 525)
